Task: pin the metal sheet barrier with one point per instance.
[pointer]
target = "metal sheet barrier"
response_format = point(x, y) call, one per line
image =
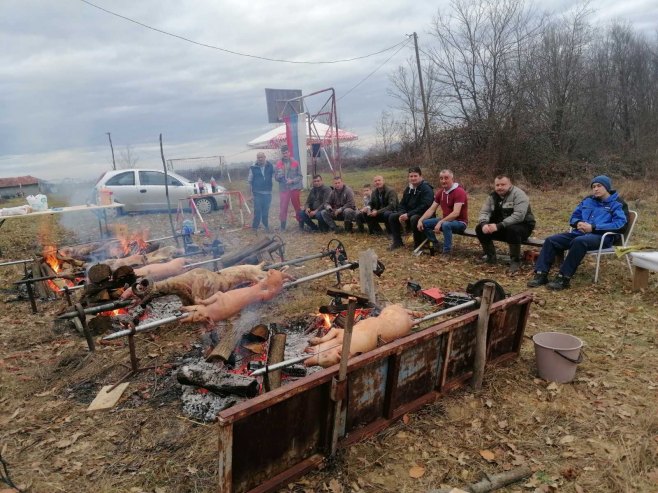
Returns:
point(276, 437)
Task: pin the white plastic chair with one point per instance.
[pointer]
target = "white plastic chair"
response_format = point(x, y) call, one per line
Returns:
point(625, 240)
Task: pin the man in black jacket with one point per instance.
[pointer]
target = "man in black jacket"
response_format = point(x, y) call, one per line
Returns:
point(416, 199)
point(383, 202)
point(317, 199)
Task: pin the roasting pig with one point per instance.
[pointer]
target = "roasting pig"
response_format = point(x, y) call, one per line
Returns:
point(394, 322)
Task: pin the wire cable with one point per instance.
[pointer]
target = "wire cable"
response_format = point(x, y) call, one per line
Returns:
point(371, 73)
point(237, 53)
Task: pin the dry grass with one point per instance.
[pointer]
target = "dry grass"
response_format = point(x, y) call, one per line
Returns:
point(599, 433)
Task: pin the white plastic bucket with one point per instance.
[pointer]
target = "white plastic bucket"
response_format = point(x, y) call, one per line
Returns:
point(557, 356)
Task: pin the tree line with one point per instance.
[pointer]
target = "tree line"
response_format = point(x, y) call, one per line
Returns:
point(512, 90)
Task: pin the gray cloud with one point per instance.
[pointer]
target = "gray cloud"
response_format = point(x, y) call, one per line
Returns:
point(73, 73)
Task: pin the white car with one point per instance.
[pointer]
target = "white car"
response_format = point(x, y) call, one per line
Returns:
point(144, 190)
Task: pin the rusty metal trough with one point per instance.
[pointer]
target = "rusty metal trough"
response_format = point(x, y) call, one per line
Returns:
point(276, 437)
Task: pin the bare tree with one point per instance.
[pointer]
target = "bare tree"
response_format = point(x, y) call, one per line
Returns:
point(127, 158)
point(387, 131)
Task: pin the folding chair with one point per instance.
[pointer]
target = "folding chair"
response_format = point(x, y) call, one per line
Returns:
point(625, 241)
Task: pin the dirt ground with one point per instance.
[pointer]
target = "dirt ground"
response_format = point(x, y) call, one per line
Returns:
point(596, 434)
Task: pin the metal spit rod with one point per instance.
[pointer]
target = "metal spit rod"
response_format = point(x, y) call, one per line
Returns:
point(146, 326)
point(350, 265)
point(203, 262)
point(16, 262)
point(297, 260)
point(445, 312)
point(97, 309)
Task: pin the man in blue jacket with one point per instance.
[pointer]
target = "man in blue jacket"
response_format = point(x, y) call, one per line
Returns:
point(601, 212)
point(260, 181)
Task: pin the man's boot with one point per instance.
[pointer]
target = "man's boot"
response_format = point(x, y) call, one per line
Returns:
point(283, 225)
point(540, 279)
point(489, 250)
point(515, 259)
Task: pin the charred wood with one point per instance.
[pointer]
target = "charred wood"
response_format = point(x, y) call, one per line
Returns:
point(217, 381)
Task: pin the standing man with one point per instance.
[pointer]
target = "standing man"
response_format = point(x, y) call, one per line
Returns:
point(340, 206)
point(316, 201)
point(453, 200)
point(260, 180)
point(601, 212)
point(416, 199)
point(383, 202)
point(505, 216)
point(289, 176)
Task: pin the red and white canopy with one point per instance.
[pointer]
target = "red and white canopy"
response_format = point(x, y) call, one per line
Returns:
point(323, 134)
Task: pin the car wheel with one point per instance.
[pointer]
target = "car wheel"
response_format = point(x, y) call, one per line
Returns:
point(114, 213)
point(205, 205)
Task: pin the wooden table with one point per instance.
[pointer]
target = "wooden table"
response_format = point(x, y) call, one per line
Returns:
point(643, 262)
point(99, 210)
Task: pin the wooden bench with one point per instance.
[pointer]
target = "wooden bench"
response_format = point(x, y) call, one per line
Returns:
point(535, 242)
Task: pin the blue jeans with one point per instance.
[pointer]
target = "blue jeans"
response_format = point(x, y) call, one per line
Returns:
point(578, 245)
point(308, 220)
point(447, 228)
point(262, 203)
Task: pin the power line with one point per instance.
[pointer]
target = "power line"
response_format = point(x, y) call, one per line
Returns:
point(231, 52)
point(371, 73)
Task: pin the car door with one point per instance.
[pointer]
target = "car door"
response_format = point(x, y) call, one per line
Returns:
point(124, 190)
point(152, 187)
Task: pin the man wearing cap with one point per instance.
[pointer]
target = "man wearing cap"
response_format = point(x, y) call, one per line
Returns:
point(260, 180)
point(288, 174)
point(601, 212)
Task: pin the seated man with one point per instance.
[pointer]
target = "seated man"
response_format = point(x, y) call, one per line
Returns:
point(383, 201)
point(340, 206)
point(601, 212)
point(454, 206)
point(315, 202)
point(505, 216)
point(416, 199)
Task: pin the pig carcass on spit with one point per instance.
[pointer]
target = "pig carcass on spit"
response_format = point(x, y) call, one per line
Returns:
point(394, 322)
point(164, 270)
point(165, 253)
point(222, 306)
point(197, 283)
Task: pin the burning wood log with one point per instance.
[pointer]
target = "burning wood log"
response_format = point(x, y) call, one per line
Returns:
point(221, 383)
point(47, 270)
point(275, 355)
point(222, 306)
point(198, 283)
point(393, 322)
point(222, 351)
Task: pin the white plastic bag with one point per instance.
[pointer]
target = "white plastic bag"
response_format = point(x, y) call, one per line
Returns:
point(38, 202)
point(16, 211)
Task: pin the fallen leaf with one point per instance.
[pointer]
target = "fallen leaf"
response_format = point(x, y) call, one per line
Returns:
point(192, 469)
point(488, 455)
point(488, 403)
point(569, 473)
point(405, 419)
point(335, 486)
point(67, 442)
point(416, 472)
point(566, 439)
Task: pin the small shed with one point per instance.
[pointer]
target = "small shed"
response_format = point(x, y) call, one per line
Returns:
point(19, 186)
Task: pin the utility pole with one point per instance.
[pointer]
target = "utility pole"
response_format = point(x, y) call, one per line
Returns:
point(428, 140)
point(114, 164)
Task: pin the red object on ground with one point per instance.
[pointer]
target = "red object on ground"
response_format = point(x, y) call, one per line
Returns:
point(435, 295)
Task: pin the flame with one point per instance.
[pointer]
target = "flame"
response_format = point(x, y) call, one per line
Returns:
point(49, 255)
point(326, 320)
point(131, 243)
point(114, 313)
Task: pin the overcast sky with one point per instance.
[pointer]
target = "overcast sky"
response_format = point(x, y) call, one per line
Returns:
point(70, 73)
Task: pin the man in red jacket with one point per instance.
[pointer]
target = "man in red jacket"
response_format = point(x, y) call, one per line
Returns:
point(288, 173)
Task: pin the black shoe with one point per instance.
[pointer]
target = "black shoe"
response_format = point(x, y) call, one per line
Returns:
point(433, 249)
point(395, 246)
point(488, 259)
point(514, 267)
point(540, 279)
point(559, 283)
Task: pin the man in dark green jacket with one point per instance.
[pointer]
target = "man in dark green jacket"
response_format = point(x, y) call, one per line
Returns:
point(416, 199)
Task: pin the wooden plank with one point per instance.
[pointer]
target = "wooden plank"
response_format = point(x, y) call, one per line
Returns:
point(481, 336)
point(107, 400)
point(367, 264)
point(225, 472)
point(470, 232)
point(640, 278)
